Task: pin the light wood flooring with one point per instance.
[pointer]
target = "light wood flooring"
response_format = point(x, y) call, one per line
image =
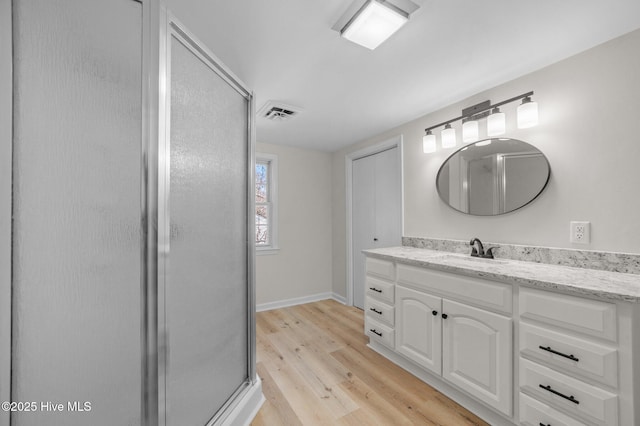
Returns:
point(317, 370)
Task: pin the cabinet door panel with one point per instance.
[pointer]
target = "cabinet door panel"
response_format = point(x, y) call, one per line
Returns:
point(418, 330)
point(477, 353)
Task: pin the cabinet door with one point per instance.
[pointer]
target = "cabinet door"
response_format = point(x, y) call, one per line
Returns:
point(477, 353)
point(419, 328)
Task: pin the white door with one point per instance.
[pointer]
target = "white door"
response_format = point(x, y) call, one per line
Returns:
point(376, 210)
point(477, 353)
point(419, 327)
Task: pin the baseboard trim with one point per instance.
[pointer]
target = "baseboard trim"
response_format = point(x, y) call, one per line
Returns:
point(300, 301)
point(248, 406)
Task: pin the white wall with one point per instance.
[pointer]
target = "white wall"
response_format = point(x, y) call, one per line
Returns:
point(302, 266)
point(589, 108)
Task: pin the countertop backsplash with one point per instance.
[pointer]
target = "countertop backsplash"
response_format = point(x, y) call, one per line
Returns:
point(601, 260)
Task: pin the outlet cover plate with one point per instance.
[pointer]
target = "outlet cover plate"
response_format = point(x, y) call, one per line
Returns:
point(580, 232)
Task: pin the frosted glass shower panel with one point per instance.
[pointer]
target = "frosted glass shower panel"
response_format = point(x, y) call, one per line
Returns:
point(77, 211)
point(206, 286)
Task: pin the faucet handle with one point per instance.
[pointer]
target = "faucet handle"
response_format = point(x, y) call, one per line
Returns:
point(489, 252)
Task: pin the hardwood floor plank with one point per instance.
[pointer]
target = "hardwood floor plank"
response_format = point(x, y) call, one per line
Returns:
point(276, 409)
point(320, 371)
point(384, 412)
point(320, 379)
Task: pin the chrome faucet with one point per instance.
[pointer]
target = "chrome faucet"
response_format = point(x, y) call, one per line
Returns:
point(479, 252)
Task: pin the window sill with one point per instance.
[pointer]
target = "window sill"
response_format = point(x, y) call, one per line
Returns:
point(267, 251)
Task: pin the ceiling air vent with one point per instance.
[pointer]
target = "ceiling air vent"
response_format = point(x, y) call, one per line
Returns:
point(278, 111)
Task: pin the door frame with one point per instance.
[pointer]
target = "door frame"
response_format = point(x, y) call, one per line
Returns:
point(171, 27)
point(6, 170)
point(393, 142)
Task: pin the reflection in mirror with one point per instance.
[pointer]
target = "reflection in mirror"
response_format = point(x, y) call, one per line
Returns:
point(492, 177)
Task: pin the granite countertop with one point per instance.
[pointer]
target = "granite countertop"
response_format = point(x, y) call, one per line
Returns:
point(579, 281)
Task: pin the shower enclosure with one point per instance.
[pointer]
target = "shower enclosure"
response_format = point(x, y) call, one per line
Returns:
point(126, 221)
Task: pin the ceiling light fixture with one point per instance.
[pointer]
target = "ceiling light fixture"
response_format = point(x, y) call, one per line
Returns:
point(527, 117)
point(373, 23)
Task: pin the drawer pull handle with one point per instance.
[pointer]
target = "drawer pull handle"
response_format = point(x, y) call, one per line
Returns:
point(376, 311)
point(555, 392)
point(373, 330)
point(548, 349)
point(434, 313)
point(375, 289)
point(542, 424)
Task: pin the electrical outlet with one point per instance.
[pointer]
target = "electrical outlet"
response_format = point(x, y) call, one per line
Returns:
point(580, 232)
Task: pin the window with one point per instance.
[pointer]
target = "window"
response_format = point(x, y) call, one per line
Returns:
point(266, 203)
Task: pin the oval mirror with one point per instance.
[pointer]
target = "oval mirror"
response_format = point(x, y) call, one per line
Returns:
point(492, 177)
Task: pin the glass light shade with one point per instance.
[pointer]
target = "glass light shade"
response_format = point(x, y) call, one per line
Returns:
point(527, 114)
point(448, 137)
point(470, 131)
point(496, 123)
point(429, 143)
point(373, 25)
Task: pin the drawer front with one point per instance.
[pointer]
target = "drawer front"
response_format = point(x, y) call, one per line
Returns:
point(536, 413)
point(569, 353)
point(380, 289)
point(381, 268)
point(571, 395)
point(483, 293)
point(586, 316)
point(379, 332)
point(379, 311)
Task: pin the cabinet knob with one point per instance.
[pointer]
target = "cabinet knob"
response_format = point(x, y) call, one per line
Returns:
point(445, 316)
point(375, 239)
point(434, 313)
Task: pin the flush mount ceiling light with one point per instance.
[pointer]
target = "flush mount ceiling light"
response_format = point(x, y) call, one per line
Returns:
point(374, 21)
point(527, 117)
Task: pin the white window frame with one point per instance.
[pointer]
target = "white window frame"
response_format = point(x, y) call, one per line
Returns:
point(272, 179)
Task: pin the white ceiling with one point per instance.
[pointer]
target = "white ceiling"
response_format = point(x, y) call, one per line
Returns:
point(286, 50)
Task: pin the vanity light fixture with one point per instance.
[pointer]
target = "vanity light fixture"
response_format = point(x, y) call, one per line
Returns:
point(527, 117)
point(496, 123)
point(429, 143)
point(374, 22)
point(527, 113)
point(448, 136)
point(469, 131)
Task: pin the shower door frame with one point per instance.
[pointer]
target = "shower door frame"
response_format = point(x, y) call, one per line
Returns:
point(158, 25)
point(6, 145)
point(170, 27)
point(149, 176)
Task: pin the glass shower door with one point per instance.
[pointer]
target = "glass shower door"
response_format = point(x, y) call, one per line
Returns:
point(77, 237)
point(206, 264)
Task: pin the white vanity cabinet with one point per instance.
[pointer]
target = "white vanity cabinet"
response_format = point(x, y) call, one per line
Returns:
point(379, 302)
point(568, 357)
point(468, 346)
point(419, 327)
point(517, 343)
